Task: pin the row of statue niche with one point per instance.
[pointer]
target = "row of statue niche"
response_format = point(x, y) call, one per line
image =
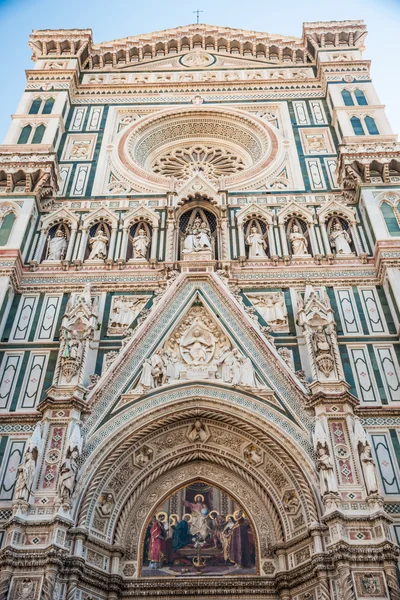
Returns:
point(98, 244)
point(257, 244)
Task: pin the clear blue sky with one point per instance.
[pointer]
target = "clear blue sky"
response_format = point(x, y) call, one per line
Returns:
point(121, 18)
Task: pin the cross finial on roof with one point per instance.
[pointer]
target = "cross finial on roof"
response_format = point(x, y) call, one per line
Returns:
point(197, 11)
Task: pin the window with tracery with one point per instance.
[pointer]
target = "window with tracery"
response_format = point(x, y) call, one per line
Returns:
point(211, 161)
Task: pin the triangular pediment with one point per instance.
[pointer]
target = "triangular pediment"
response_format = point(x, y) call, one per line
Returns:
point(225, 314)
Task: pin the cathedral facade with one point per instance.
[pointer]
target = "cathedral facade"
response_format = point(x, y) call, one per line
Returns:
point(200, 316)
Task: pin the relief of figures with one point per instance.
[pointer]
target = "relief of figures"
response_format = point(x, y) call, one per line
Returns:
point(123, 312)
point(272, 308)
point(197, 349)
point(200, 530)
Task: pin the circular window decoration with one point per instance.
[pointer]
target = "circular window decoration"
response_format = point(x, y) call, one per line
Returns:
point(181, 143)
point(213, 162)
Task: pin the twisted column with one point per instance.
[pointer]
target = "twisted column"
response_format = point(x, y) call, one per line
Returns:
point(346, 582)
point(392, 582)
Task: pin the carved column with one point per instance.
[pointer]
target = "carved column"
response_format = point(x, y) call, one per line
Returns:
point(356, 238)
point(40, 246)
point(323, 586)
point(284, 243)
point(242, 245)
point(71, 244)
point(271, 241)
point(83, 244)
point(5, 580)
point(124, 243)
point(313, 240)
point(49, 581)
point(110, 254)
point(154, 243)
point(325, 239)
point(170, 254)
point(392, 581)
point(346, 583)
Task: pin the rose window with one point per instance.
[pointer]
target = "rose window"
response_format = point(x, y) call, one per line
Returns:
point(182, 163)
point(174, 145)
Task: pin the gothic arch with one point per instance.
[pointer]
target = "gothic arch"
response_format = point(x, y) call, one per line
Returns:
point(262, 488)
point(294, 210)
point(253, 211)
point(335, 209)
point(283, 463)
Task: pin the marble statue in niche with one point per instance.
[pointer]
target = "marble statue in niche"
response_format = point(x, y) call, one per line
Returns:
point(298, 241)
point(256, 243)
point(140, 244)
point(69, 469)
point(272, 308)
point(366, 460)
point(27, 469)
point(327, 477)
point(25, 476)
point(340, 239)
point(197, 236)
point(197, 349)
point(98, 244)
point(323, 349)
point(57, 246)
point(71, 357)
point(123, 312)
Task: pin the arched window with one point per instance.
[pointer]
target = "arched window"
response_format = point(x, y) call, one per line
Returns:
point(347, 98)
point(25, 134)
point(38, 135)
point(391, 220)
point(371, 126)
point(360, 97)
point(35, 106)
point(6, 227)
point(357, 126)
point(48, 106)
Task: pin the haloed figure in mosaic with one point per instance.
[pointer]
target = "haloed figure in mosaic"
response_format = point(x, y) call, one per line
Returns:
point(199, 537)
